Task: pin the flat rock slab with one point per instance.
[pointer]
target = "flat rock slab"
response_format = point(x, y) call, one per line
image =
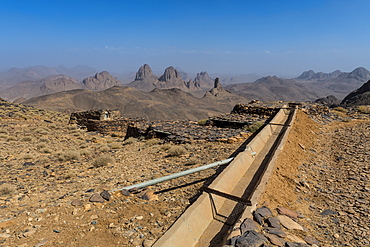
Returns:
point(264, 211)
point(273, 222)
point(248, 225)
point(328, 212)
point(276, 231)
point(287, 212)
point(76, 202)
point(289, 223)
point(275, 239)
point(251, 239)
point(96, 197)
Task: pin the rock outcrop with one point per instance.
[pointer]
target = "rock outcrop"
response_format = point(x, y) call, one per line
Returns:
point(145, 80)
point(171, 79)
point(59, 83)
point(360, 96)
point(202, 80)
point(101, 81)
point(217, 90)
point(328, 100)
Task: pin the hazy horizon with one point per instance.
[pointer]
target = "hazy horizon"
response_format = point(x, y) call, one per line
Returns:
point(281, 38)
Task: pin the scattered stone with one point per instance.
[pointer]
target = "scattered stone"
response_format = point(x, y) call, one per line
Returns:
point(329, 212)
point(289, 223)
point(76, 202)
point(149, 195)
point(277, 231)
point(258, 218)
point(43, 242)
point(248, 225)
point(5, 235)
point(96, 197)
point(295, 239)
point(264, 211)
point(273, 222)
point(105, 194)
point(291, 244)
point(87, 207)
point(311, 240)
point(125, 192)
point(251, 239)
point(275, 239)
point(287, 212)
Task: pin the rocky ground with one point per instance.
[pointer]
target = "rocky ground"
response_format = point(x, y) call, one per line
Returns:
point(46, 164)
point(50, 170)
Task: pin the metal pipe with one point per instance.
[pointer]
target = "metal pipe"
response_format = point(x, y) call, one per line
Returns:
point(175, 175)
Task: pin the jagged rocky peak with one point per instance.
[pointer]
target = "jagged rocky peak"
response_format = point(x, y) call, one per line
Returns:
point(170, 74)
point(144, 72)
point(217, 83)
point(101, 81)
point(202, 80)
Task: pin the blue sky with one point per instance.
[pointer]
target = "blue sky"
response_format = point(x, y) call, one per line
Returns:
point(219, 36)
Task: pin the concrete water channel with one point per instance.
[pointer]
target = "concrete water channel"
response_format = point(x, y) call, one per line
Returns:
point(235, 191)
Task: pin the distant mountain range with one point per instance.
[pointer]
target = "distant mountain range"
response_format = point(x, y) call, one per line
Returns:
point(45, 89)
point(336, 83)
point(53, 84)
point(13, 76)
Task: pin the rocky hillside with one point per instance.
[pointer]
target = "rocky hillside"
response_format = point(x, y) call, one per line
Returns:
point(100, 81)
point(29, 89)
point(272, 88)
point(360, 96)
point(158, 104)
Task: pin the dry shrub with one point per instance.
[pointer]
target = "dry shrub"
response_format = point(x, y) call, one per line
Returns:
point(27, 157)
point(85, 152)
point(152, 142)
point(46, 151)
point(364, 109)
point(4, 136)
point(41, 146)
point(339, 113)
point(26, 139)
point(341, 109)
point(254, 127)
point(11, 138)
point(166, 146)
point(7, 190)
point(69, 155)
point(130, 140)
point(104, 148)
point(103, 161)
point(192, 161)
point(2, 131)
point(44, 139)
point(176, 151)
point(203, 122)
point(115, 145)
